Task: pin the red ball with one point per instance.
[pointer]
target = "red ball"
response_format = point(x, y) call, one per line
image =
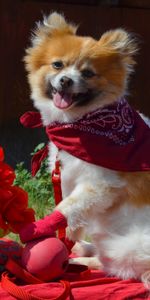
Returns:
point(45, 258)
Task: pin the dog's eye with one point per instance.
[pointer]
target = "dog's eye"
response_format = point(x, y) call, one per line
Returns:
point(57, 64)
point(87, 73)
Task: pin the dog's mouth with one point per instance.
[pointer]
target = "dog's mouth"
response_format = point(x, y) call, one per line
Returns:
point(64, 100)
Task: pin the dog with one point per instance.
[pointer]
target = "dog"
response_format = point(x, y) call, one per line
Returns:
point(79, 83)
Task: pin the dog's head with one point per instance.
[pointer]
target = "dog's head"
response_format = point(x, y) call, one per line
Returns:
point(70, 73)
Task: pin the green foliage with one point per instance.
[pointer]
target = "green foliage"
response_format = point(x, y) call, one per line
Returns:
point(37, 148)
point(39, 188)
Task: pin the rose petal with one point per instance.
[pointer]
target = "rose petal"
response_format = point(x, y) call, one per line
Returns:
point(1, 154)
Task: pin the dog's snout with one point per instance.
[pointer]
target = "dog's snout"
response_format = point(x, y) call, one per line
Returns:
point(66, 82)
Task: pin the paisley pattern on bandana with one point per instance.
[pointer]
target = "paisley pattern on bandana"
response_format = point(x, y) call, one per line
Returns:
point(115, 122)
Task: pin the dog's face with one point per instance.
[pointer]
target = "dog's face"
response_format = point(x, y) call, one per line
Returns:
point(67, 71)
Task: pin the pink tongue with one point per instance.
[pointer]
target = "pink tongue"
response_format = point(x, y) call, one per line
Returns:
point(62, 100)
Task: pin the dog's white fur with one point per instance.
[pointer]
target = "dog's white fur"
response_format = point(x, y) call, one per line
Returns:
point(121, 236)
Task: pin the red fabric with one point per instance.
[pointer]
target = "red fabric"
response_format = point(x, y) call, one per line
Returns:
point(9, 250)
point(44, 227)
point(98, 287)
point(37, 159)
point(31, 119)
point(19, 293)
point(114, 137)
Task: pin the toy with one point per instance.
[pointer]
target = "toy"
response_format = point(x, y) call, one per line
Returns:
point(45, 258)
point(44, 255)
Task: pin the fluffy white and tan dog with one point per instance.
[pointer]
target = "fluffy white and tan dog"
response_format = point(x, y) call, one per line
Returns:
point(73, 78)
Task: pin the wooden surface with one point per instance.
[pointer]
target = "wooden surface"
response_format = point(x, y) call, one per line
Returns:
point(18, 18)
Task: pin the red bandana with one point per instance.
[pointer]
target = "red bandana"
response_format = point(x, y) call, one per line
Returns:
point(114, 137)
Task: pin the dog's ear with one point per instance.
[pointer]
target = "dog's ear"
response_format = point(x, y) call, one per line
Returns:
point(119, 41)
point(55, 23)
point(120, 44)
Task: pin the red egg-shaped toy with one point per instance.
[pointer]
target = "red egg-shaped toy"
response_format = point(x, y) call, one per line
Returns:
point(45, 258)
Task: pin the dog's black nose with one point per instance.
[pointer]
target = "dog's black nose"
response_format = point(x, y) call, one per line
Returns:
point(66, 82)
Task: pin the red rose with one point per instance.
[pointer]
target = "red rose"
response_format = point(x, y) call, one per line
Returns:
point(1, 154)
point(14, 211)
point(7, 175)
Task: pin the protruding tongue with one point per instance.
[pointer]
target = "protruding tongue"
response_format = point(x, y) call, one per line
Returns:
point(62, 100)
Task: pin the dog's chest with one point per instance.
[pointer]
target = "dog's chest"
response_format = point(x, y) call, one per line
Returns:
point(75, 171)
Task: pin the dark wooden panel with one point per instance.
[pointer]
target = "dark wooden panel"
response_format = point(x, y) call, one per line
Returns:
point(137, 20)
point(134, 3)
point(18, 17)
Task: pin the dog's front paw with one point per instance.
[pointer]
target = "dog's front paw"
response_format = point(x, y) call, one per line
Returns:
point(92, 263)
point(84, 249)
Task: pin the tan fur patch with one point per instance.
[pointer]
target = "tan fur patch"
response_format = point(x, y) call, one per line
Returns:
point(138, 187)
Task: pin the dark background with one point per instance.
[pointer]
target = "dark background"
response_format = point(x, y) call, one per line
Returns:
point(18, 17)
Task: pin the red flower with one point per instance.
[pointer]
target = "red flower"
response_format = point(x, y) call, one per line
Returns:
point(1, 154)
point(14, 211)
point(7, 175)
